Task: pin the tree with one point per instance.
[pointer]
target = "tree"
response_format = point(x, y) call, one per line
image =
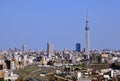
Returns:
point(99, 59)
point(115, 65)
point(1, 79)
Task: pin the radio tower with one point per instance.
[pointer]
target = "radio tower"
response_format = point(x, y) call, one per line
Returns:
point(87, 50)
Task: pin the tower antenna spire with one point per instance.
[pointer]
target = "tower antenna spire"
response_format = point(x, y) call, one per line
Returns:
point(87, 13)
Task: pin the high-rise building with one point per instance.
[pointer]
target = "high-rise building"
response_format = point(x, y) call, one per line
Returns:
point(24, 48)
point(87, 50)
point(78, 47)
point(49, 50)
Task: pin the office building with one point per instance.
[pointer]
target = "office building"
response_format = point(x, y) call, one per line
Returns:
point(78, 47)
point(24, 48)
point(49, 50)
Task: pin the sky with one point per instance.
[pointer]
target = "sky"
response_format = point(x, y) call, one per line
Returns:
point(61, 22)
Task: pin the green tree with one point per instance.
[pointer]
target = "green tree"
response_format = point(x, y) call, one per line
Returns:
point(1, 79)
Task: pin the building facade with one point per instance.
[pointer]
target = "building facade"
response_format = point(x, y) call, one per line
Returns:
point(78, 47)
point(49, 50)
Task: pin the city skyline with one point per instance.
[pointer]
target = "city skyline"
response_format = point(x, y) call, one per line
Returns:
point(35, 23)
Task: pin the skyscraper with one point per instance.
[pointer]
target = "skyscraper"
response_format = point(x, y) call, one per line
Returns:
point(24, 48)
point(78, 47)
point(87, 50)
point(49, 50)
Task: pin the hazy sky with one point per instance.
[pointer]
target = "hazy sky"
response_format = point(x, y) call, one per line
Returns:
point(62, 22)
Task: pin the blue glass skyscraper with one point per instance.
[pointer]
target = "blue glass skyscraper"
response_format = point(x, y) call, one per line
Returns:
point(78, 47)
